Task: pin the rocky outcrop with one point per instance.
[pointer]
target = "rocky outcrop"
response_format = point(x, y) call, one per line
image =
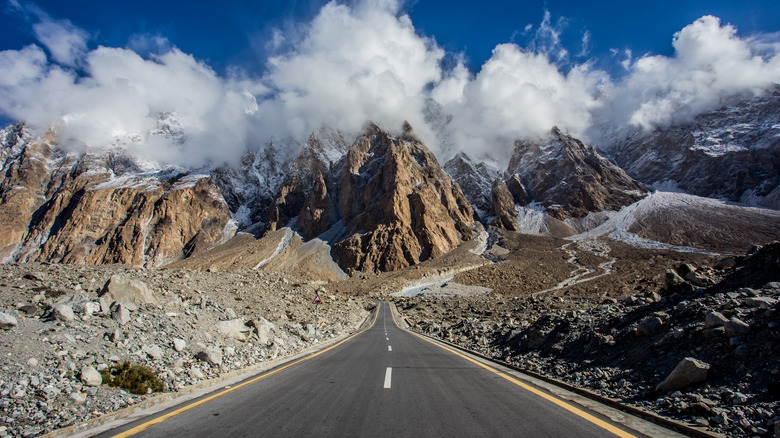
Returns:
point(397, 205)
point(475, 180)
point(310, 172)
point(101, 208)
point(731, 153)
point(569, 178)
point(503, 207)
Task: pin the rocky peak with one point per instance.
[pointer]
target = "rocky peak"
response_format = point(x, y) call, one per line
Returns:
point(503, 207)
point(397, 205)
point(97, 208)
point(316, 160)
point(475, 179)
point(571, 178)
point(731, 153)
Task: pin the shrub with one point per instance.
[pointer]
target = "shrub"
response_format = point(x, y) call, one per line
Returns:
point(133, 378)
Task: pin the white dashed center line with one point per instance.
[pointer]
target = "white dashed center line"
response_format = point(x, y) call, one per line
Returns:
point(388, 377)
point(389, 348)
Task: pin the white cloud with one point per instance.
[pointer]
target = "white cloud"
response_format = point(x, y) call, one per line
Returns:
point(711, 65)
point(366, 62)
point(518, 94)
point(355, 64)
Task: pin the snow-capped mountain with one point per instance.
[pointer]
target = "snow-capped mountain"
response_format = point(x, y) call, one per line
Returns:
point(732, 153)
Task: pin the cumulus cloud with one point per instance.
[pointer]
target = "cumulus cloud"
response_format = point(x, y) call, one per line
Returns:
point(710, 66)
point(355, 64)
point(66, 42)
point(518, 94)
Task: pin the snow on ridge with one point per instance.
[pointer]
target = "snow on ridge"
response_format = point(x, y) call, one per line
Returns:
point(618, 224)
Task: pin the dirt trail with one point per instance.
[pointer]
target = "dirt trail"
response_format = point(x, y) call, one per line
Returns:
point(583, 273)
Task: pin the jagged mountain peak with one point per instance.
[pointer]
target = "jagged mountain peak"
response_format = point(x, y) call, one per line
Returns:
point(571, 178)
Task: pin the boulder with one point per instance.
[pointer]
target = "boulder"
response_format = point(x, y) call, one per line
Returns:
point(715, 319)
point(737, 327)
point(153, 351)
point(91, 377)
point(210, 355)
point(63, 312)
point(121, 288)
point(7, 321)
point(688, 372)
point(179, 344)
point(234, 328)
point(121, 315)
point(649, 325)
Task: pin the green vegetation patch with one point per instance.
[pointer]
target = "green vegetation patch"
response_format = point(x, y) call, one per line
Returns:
point(133, 378)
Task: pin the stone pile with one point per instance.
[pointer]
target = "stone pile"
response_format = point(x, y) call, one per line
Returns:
point(61, 325)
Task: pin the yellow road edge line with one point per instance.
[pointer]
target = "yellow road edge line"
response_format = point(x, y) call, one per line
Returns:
point(580, 413)
point(162, 418)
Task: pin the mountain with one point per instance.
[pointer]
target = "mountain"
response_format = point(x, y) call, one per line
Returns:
point(732, 153)
point(476, 179)
point(571, 179)
point(385, 205)
point(101, 207)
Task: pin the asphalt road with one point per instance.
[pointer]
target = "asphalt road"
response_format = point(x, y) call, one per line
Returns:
point(383, 382)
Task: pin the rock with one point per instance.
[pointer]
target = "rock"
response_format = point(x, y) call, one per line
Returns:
point(91, 308)
point(761, 302)
point(689, 371)
point(7, 321)
point(715, 319)
point(121, 315)
point(63, 312)
point(210, 355)
point(121, 288)
point(649, 325)
point(196, 373)
point(234, 328)
point(673, 281)
point(713, 332)
point(737, 327)
point(153, 351)
point(91, 377)
point(503, 207)
point(230, 313)
point(179, 344)
point(263, 330)
point(36, 276)
point(77, 397)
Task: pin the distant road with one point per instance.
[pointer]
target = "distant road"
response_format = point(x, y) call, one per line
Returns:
point(384, 382)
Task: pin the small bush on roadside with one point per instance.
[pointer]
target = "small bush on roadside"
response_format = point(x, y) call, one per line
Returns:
point(133, 378)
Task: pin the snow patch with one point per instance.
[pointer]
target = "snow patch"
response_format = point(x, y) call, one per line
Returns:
point(288, 235)
point(531, 219)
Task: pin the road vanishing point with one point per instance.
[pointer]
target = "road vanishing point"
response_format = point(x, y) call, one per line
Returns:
point(388, 382)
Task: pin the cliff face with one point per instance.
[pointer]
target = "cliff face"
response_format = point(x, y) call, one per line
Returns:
point(70, 208)
point(397, 205)
point(570, 178)
point(387, 202)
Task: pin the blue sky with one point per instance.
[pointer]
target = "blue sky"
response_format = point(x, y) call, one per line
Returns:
point(235, 33)
point(243, 73)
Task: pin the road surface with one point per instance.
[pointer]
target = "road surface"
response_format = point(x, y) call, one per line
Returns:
point(382, 382)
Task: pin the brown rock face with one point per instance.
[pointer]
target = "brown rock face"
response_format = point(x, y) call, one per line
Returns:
point(503, 207)
point(310, 172)
point(570, 178)
point(81, 209)
point(397, 205)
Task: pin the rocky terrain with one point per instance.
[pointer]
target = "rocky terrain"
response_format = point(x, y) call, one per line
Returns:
point(101, 208)
point(702, 348)
point(731, 153)
point(62, 324)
